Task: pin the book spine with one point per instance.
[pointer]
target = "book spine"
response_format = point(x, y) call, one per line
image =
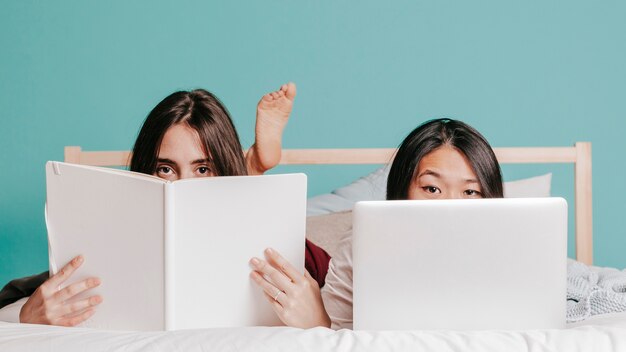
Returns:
point(51, 262)
point(168, 249)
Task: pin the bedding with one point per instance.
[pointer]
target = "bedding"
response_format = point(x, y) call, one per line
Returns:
point(601, 333)
point(594, 290)
point(328, 230)
point(374, 187)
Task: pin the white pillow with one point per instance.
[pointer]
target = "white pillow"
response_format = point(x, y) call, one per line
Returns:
point(374, 187)
point(538, 186)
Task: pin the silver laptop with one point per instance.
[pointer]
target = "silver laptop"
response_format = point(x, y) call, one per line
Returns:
point(460, 264)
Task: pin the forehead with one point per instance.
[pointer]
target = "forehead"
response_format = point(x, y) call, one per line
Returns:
point(448, 162)
point(181, 143)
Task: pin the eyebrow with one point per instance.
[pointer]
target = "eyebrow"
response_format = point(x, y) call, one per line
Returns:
point(428, 172)
point(170, 161)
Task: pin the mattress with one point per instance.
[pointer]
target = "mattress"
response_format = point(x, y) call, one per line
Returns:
point(599, 333)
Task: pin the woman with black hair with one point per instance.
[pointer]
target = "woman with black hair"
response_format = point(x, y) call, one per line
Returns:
point(440, 159)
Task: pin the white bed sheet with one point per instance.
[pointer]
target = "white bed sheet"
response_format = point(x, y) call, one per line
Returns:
point(599, 333)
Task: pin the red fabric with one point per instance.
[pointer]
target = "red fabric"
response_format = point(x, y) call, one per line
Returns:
point(316, 262)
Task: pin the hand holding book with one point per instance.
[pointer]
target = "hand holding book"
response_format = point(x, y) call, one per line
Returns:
point(49, 305)
point(295, 297)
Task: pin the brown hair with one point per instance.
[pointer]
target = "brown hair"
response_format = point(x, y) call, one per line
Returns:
point(203, 112)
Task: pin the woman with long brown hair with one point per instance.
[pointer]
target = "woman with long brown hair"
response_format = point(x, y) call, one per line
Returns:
point(188, 134)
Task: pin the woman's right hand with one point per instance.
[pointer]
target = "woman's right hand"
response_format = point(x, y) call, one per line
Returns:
point(51, 306)
point(295, 297)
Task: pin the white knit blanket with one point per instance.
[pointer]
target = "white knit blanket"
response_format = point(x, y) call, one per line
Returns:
point(593, 290)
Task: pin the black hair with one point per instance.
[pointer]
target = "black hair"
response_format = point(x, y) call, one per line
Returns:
point(433, 134)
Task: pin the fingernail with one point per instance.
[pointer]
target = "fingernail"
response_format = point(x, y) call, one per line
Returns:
point(96, 281)
point(269, 251)
point(254, 261)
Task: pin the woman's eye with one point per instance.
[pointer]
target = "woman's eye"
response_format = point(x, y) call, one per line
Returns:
point(431, 189)
point(203, 170)
point(472, 193)
point(164, 170)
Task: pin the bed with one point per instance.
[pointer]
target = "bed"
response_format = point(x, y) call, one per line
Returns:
point(579, 155)
point(605, 332)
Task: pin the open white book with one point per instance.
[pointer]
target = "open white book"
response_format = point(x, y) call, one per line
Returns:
point(173, 255)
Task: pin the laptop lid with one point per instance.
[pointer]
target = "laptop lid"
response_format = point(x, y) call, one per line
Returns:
point(460, 264)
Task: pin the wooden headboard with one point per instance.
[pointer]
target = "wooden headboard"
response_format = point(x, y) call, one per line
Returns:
point(579, 155)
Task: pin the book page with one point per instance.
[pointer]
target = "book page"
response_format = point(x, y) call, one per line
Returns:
point(115, 220)
point(220, 223)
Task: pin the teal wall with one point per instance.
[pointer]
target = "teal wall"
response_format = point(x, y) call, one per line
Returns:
point(542, 73)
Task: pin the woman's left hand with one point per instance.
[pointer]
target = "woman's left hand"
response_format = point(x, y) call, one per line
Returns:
point(296, 298)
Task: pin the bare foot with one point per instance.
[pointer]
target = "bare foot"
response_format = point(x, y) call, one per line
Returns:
point(272, 114)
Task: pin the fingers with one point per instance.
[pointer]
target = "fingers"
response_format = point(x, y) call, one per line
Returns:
point(276, 278)
point(278, 308)
point(76, 288)
point(80, 306)
point(277, 261)
point(76, 318)
point(271, 291)
point(49, 305)
point(57, 279)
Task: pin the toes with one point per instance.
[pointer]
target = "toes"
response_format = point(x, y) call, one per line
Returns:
point(290, 92)
point(286, 90)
